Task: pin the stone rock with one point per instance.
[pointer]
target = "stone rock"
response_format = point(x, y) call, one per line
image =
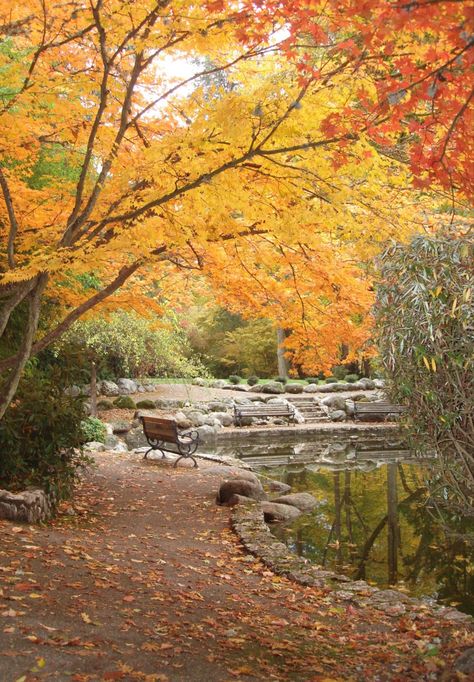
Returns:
point(312, 388)
point(336, 402)
point(218, 383)
point(224, 418)
point(305, 502)
point(146, 405)
point(211, 420)
point(111, 441)
point(367, 384)
point(120, 447)
point(245, 421)
point(108, 388)
point(168, 403)
point(239, 499)
point(94, 446)
point(240, 400)
point(294, 388)
point(278, 486)
point(337, 416)
point(135, 439)
point(206, 432)
point(273, 387)
point(121, 427)
point(141, 389)
point(245, 475)
point(182, 421)
point(236, 387)
point(199, 382)
point(273, 511)
point(29, 506)
point(277, 401)
point(361, 399)
point(465, 662)
point(216, 406)
point(149, 388)
point(379, 383)
point(127, 386)
point(196, 417)
point(350, 408)
point(239, 486)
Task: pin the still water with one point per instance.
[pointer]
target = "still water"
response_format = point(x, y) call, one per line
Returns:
point(374, 520)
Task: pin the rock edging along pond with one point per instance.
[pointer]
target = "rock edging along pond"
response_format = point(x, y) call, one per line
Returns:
point(248, 523)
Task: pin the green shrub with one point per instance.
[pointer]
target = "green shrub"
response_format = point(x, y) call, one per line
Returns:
point(41, 435)
point(281, 380)
point(331, 380)
point(234, 379)
point(93, 430)
point(105, 405)
point(351, 378)
point(312, 380)
point(253, 380)
point(339, 371)
point(146, 405)
point(125, 402)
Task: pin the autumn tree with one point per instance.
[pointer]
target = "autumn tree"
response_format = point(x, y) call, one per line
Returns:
point(115, 167)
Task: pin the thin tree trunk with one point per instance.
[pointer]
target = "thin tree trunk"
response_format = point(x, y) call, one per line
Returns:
point(282, 361)
point(34, 300)
point(393, 527)
point(93, 389)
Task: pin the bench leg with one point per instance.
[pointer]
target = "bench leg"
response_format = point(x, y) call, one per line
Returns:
point(185, 457)
point(163, 456)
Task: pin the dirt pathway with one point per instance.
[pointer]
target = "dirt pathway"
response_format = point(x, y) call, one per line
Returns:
point(146, 581)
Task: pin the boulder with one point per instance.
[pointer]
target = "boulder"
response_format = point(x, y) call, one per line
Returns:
point(305, 502)
point(218, 406)
point(206, 432)
point(141, 389)
point(121, 427)
point(367, 384)
point(168, 403)
point(243, 474)
point(239, 499)
point(182, 421)
point(240, 400)
point(211, 420)
point(127, 386)
point(294, 388)
point(199, 382)
point(111, 441)
point(224, 418)
point(218, 383)
point(312, 388)
point(278, 486)
point(146, 404)
point(149, 388)
point(135, 439)
point(240, 486)
point(349, 407)
point(196, 417)
point(236, 387)
point(273, 387)
point(105, 405)
point(273, 511)
point(337, 416)
point(336, 402)
point(379, 383)
point(94, 446)
point(120, 447)
point(277, 401)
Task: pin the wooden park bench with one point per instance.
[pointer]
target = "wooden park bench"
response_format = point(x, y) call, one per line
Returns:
point(162, 435)
point(274, 410)
point(376, 409)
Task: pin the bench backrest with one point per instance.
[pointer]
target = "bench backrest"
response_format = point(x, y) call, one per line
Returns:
point(382, 408)
point(264, 409)
point(160, 429)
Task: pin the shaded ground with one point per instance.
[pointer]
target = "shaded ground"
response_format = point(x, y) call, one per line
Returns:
point(144, 580)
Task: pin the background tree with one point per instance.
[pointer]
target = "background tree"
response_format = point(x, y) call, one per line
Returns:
point(117, 165)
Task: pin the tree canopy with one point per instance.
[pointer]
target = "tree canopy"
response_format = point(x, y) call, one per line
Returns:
point(121, 168)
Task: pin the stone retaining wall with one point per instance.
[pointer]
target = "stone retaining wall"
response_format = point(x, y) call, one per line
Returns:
point(29, 506)
point(249, 524)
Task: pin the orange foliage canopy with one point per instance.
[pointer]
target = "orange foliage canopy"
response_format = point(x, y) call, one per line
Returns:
point(416, 58)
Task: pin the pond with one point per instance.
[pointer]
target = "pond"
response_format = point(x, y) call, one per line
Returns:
point(374, 520)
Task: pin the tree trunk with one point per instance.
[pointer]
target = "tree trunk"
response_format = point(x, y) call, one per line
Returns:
point(93, 389)
point(10, 386)
point(393, 527)
point(282, 361)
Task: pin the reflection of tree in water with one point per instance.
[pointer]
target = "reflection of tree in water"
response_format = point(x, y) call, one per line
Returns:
point(376, 527)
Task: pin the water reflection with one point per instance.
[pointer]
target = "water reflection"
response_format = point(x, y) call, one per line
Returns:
point(374, 519)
